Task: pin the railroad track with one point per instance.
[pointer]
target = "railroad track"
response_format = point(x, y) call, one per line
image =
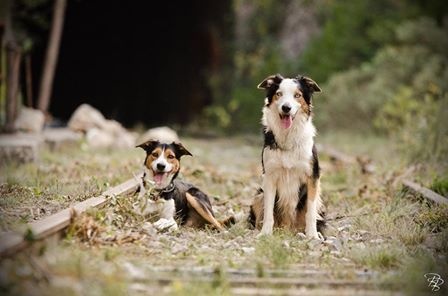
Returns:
point(13, 241)
point(305, 279)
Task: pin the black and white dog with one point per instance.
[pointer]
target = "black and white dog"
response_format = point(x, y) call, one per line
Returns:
point(290, 194)
point(174, 201)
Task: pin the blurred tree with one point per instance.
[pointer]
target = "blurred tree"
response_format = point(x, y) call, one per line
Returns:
point(267, 41)
point(352, 32)
point(51, 55)
point(17, 42)
point(402, 91)
point(13, 58)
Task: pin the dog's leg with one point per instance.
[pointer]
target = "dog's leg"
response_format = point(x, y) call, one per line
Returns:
point(166, 220)
point(203, 212)
point(141, 207)
point(269, 200)
point(311, 208)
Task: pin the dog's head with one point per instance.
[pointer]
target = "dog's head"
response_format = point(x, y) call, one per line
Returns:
point(163, 161)
point(289, 97)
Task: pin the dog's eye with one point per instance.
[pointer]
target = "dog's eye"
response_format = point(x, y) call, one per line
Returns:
point(279, 94)
point(170, 156)
point(297, 95)
point(155, 154)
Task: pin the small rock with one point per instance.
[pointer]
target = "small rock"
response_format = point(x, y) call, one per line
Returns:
point(85, 118)
point(162, 134)
point(336, 253)
point(97, 138)
point(314, 243)
point(124, 140)
point(134, 272)
point(301, 235)
point(112, 127)
point(346, 260)
point(344, 227)
point(19, 148)
point(178, 248)
point(30, 120)
point(56, 137)
point(248, 250)
point(333, 243)
point(361, 245)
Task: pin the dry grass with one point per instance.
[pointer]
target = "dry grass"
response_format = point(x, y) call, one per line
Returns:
point(112, 250)
point(59, 179)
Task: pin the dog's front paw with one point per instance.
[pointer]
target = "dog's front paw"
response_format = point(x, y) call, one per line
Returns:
point(265, 231)
point(314, 235)
point(165, 224)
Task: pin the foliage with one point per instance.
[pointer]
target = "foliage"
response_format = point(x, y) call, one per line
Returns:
point(257, 54)
point(351, 34)
point(440, 185)
point(402, 91)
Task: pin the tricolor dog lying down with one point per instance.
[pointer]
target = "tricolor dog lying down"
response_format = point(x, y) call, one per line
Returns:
point(173, 200)
point(290, 193)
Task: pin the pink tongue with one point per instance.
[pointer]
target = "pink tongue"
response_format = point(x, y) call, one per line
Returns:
point(158, 178)
point(286, 121)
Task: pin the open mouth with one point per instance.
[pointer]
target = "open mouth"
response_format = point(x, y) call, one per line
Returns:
point(159, 177)
point(286, 120)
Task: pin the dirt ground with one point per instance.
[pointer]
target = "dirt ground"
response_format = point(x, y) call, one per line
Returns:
point(380, 239)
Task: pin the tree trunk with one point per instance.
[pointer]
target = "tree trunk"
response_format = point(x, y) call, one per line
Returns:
point(51, 55)
point(29, 81)
point(13, 58)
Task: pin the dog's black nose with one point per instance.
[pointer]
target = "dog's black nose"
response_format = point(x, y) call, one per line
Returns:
point(286, 108)
point(161, 166)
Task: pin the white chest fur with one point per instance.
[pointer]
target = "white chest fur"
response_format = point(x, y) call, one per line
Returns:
point(290, 165)
point(294, 154)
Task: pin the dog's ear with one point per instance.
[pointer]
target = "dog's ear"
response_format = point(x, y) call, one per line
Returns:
point(181, 150)
point(309, 83)
point(270, 80)
point(148, 146)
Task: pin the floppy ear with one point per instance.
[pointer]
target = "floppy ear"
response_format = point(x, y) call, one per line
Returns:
point(148, 146)
point(310, 83)
point(270, 80)
point(181, 150)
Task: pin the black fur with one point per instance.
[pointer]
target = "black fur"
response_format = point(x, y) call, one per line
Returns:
point(303, 195)
point(269, 141)
point(178, 194)
point(316, 167)
point(307, 86)
point(251, 219)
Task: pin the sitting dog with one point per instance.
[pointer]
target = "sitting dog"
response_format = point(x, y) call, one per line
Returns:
point(172, 199)
point(290, 194)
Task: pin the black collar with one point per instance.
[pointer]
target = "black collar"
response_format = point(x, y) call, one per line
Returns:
point(164, 192)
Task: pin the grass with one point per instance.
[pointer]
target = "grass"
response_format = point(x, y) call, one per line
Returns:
point(59, 179)
point(379, 227)
point(278, 251)
point(379, 257)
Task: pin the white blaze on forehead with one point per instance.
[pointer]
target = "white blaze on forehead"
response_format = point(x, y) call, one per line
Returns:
point(162, 160)
point(288, 86)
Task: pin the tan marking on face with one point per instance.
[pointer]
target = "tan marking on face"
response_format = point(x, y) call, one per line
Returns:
point(170, 156)
point(305, 107)
point(152, 157)
point(275, 97)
